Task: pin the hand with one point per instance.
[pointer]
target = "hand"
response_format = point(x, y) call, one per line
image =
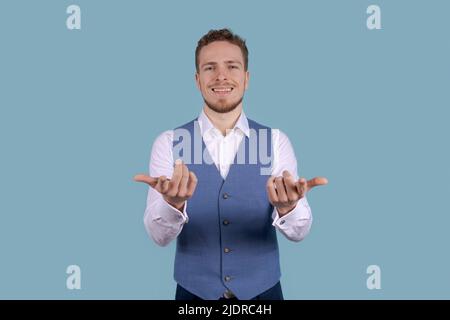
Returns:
point(176, 190)
point(284, 192)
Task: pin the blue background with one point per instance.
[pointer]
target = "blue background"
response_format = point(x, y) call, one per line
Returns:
point(368, 109)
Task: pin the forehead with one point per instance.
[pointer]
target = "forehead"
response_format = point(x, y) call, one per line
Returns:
point(220, 51)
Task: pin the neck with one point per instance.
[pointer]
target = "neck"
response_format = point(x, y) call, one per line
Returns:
point(223, 121)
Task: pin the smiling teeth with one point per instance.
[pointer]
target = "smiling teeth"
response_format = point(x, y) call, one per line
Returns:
point(222, 90)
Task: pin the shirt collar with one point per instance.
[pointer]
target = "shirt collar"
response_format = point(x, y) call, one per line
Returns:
point(206, 124)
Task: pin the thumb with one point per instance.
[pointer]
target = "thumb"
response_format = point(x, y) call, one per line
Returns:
point(151, 181)
point(317, 181)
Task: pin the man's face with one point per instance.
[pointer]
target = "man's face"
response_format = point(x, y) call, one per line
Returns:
point(222, 78)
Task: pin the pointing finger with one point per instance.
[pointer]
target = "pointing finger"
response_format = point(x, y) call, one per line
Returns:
point(159, 184)
point(289, 183)
point(165, 186)
point(301, 185)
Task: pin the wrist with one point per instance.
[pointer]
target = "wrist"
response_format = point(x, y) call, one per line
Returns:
point(285, 210)
point(177, 205)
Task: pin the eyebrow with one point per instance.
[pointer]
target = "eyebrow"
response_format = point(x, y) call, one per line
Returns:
point(227, 62)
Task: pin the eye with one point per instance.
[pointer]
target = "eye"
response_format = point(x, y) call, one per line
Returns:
point(233, 67)
point(208, 68)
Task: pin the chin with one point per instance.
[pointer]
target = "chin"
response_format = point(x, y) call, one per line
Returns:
point(223, 107)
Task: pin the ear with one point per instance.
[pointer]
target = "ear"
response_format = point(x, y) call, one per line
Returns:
point(197, 80)
point(247, 78)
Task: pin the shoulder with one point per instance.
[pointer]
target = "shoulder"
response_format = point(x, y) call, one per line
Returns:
point(257, 125)
point(166, 137)
point(278, 136)
point(276, 133)
point(163, 140)
point(280, 139)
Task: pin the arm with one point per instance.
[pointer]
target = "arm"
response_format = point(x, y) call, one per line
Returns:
point(163, 221)
point(292, 214)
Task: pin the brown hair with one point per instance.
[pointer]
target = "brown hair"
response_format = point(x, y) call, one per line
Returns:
point(221, 35)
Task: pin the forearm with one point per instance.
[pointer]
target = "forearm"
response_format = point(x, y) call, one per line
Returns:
point(296, 224)
point(162, 221)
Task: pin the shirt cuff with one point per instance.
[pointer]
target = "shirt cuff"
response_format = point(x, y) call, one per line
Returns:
point(302, 211)
point(171, 214)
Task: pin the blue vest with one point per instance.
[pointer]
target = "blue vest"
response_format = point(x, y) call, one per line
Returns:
point(229, 241)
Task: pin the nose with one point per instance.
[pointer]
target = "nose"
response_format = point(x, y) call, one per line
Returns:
point(221, 74)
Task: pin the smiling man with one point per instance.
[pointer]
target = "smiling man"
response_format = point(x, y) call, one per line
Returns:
point(224, 212)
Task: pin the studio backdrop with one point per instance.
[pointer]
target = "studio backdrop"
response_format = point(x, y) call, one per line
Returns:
point(360, 87)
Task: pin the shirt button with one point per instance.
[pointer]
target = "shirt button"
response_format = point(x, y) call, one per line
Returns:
point(227, 278)
point(226, 250)
point(281, 222)
point(226, 222)
point(225, 195)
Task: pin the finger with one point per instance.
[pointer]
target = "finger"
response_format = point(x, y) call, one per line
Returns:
point(317, 181)
point(301, 186)
point(165, 186)
point(151, 181)
point(182, 187)
point(192, 183)
point(289, 184)
point(271, 190)
point(176, 178)
point(159, 184)
point(281, 191)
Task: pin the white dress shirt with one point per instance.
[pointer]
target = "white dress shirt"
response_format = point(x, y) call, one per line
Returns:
point(164, 223)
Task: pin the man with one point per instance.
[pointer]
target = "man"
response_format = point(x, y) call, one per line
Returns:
point(225, 214)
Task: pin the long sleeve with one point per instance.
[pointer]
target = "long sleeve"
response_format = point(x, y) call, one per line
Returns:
point(162, 221)
point(296, 224)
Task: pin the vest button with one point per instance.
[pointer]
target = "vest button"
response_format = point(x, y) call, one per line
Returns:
point(227, 278)
point(225, 195)
point(228, 294)
point(226, 250)
point(226, 222)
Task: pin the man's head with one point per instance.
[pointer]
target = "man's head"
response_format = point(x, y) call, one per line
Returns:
point(221, 61)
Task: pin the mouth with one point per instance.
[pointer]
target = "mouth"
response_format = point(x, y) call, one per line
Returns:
point(222, 91)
